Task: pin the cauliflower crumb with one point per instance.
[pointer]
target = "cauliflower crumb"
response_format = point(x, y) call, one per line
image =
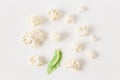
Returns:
point(78, 47)
point(35, 20)
point(37, 60)
point(83, 31)
point(69, 20)
point(56, 36)
point(93, 38)
point(54, 14)
point(33, 38)
point(92, 54)
point(82, 9)
point(73, 65)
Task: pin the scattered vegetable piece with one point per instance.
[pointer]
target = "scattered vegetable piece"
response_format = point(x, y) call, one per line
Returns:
point(73, 64)
point(55, 62)
point(35, 20)
point(37, 60)
point(92, 54)
point(93, 38)
point(69, 19)
point(56, 36)
point(54, 14)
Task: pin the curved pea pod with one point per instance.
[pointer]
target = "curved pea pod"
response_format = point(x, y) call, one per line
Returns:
point(55, 62)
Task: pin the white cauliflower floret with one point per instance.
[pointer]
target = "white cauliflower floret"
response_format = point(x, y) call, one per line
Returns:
point(82, 9)
point(54, 14)
point(78, 47)
point(69, 19)
point(83, 31)
point(37, 60)
point(35, 20)
point(93, 38)
point(33, 38)
point(56, 36)
point(73, 65)
point(92, 54)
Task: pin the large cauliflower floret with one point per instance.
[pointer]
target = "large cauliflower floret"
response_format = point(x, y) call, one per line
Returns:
point(33, 38)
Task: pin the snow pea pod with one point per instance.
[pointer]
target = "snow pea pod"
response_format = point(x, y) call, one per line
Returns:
point(55, 62)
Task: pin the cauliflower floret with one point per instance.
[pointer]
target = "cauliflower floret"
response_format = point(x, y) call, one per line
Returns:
point(73, 65)
point(69, 19)
point(82, 9)
point(56, 36)
point(92, 54)
point(78, 47)
point(83, 31)
point(35, 20)
point(37, 60)
point(33, 38)
point(93, 38)
point(54, 14)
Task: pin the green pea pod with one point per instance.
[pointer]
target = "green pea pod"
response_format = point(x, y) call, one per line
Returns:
point(55, 59)
point(55, 62)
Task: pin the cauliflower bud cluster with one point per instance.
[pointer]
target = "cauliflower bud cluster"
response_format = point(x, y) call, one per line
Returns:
point(73, 64)
point(35, 20)
point(37, 60)
point(54, 14)
point(33, 38)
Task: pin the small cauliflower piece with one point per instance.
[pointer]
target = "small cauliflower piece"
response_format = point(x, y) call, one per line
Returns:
point(35, 20)
point(69, 19)
point(83, 31)
point(92, 54)
point(33, 38)
point(37, 60)
point(27, 38)
point(82, 9)
point(73, 65)
point(54, 15)
point(93, 38)
point(78, 47)
point(56, 36)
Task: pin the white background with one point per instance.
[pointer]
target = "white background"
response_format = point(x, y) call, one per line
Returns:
point(103, 15)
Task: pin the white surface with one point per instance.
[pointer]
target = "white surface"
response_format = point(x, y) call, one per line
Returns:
point(103, 14)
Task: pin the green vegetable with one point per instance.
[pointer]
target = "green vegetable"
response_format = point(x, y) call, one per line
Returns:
point(55, 62)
